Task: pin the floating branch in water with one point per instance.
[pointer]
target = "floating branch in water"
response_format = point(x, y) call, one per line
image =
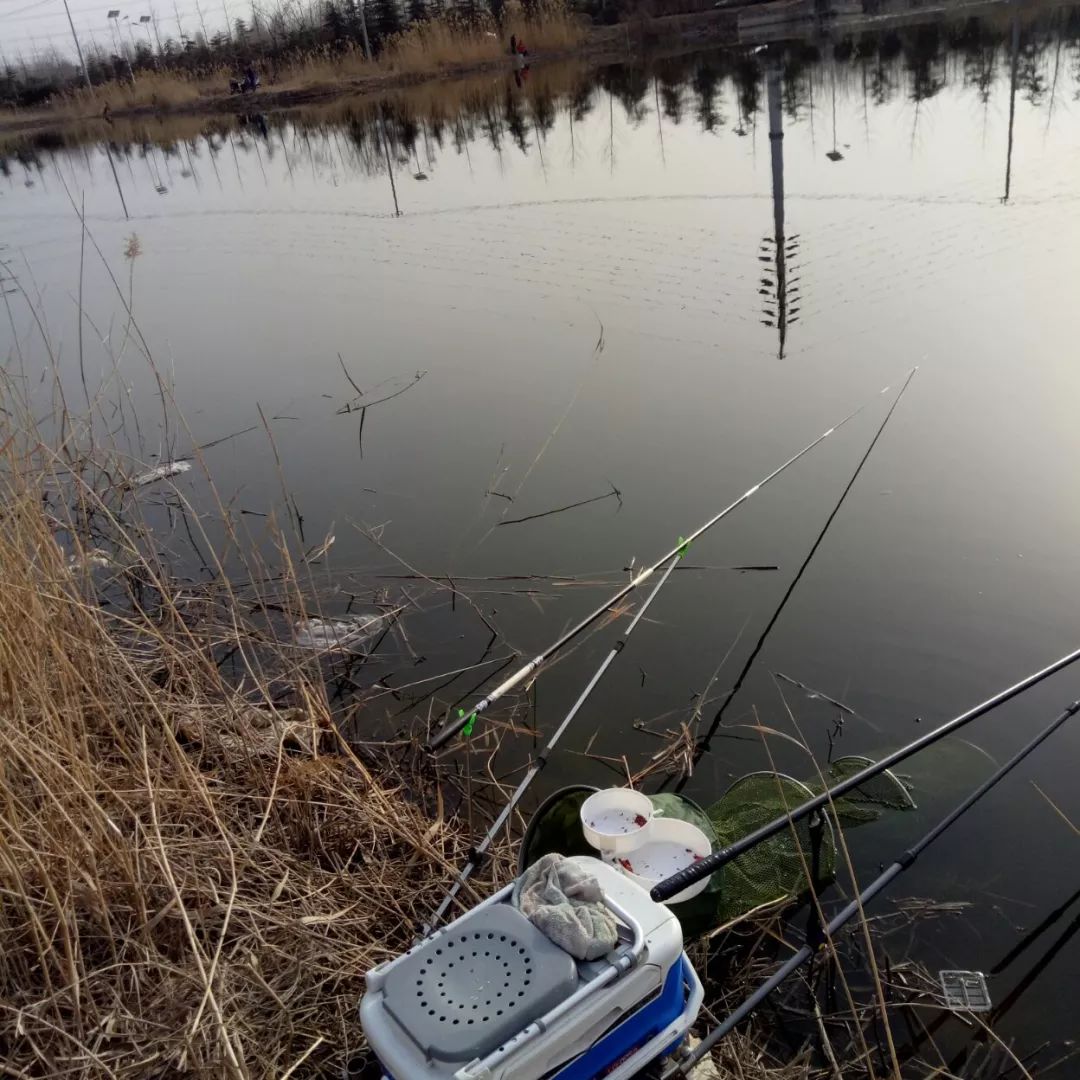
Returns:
point(700, 566)
point(161, 472)
point(360, 401)
point(226, 438)
point(320, 550)
point(599, 579)
point(813, 694)
point(571, 506)
point(820, 695)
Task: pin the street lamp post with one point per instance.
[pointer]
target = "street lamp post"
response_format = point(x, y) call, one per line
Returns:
point(112, 16)
point(144, 22)
point(118, 39)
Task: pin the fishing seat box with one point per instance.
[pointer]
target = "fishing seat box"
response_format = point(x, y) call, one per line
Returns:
point(489, 997)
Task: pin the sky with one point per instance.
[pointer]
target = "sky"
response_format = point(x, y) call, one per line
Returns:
point(32, 27)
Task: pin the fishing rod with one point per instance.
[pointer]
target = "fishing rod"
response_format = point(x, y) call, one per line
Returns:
point(711, 863)
point(476, 855)
point(703, 744)
point(465, 721)
point(682, 1067)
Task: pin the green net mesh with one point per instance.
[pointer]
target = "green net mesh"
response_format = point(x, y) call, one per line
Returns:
point(775, 870)
point(683, 809)
point(778, 867)
point(869, 800)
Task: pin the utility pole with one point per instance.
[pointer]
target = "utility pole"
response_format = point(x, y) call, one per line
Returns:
point(179, 24)
point(228, 21)
point(780, 243)
point(1015, 51)
point(114, 14)
point(78, 47)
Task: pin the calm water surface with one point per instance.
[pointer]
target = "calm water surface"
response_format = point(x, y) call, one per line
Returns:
point(920, 208)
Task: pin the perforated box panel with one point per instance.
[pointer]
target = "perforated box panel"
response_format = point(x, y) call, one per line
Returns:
point(465, 992)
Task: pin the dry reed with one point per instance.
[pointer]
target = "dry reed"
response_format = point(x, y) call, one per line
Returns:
point(192, 879)
point(193, 876)
point(433, 47)
point(440, 45)
point(150, 90)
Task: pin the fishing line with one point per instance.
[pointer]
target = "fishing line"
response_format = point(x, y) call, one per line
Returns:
point(476, 855)
point(464, 722)
point(705, 742)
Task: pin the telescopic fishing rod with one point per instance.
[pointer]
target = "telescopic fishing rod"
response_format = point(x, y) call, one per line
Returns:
point(704, 743)
point(684, 1065)
point(476, 855)
point(465, 721)
point(711, 863)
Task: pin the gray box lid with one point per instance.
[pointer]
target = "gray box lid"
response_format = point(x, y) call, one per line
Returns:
point(466, 991)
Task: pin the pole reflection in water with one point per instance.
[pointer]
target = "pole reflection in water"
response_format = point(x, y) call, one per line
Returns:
point(888, 68)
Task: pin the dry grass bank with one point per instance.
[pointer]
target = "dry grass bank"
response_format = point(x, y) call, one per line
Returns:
point(159, 89)
point(435, 100)
point(432, 48)
point(192, 879)
point(195, 869)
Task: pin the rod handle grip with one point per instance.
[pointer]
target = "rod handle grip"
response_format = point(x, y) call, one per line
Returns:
point(683, 879)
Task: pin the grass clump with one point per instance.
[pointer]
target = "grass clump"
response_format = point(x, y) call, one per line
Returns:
point(150, 89)
point(193, 879)
point(446, 43)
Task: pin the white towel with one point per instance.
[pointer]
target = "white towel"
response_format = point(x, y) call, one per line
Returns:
point(564, 901)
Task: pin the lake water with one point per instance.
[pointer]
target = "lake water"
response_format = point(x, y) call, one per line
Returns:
point(748, 291)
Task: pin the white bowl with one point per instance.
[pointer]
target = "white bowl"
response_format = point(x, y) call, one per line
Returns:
point(617, 820)
point(670, 846)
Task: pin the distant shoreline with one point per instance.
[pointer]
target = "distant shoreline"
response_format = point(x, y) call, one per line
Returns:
point(600, 43)
point(745, 23)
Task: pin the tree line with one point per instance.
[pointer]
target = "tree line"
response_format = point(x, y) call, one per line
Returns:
point(294, 31)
